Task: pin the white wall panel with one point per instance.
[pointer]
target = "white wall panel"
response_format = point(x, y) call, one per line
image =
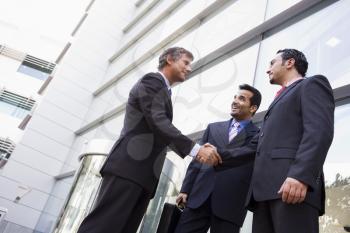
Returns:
point(28, 176)
point(37, 160)
point(78, 76)
point(51, 130)
point(64, 102)
point(20, 214)
point(47, 146)
point(71, 120)
point(146, 20)
point(34, 199)
point(72, 90)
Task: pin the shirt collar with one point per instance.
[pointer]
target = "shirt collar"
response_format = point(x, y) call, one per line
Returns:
point(242, 124)
point(166, 80)
point(293, 81)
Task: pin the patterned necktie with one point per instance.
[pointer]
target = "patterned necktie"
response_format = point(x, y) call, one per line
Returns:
point(234, 131)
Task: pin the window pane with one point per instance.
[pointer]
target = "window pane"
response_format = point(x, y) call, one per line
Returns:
point(33, 72)
point(12, 110)
point(274, 7)
point(230, 23)
point(323, 37)
point(337, 176)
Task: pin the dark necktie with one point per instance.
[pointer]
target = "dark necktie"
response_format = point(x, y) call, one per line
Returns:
point(169, 91)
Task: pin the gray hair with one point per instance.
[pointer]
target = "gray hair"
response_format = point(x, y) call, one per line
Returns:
point(175, 53)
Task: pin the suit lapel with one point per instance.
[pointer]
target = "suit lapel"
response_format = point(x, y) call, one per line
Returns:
point(221, 132)
point(288, 89)
point(165, 89)
point(247, 131)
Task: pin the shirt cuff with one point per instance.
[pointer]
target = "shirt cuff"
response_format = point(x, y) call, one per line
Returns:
point(195, 150)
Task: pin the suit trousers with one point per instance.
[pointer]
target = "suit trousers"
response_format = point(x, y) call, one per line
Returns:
point(275, 216)
point(199, 220)
point(119, 207)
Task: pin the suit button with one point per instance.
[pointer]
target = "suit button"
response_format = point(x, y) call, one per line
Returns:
point(262, 134)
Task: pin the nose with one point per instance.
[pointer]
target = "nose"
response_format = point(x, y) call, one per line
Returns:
point(268, 71)
point(188, 69)
point(234, 102)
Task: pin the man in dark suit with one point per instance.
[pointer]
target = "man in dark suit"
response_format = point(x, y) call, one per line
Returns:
point(287, 188)
point(216, 200)
point(132, 169)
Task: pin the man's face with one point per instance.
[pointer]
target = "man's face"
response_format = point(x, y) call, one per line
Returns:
point(241, 108)
point(276, 70)
point(180, 68)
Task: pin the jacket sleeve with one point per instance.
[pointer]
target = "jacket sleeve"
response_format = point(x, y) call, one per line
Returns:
point(317, 112)
point(194, 168)
point(234, 157)
point(152, 97)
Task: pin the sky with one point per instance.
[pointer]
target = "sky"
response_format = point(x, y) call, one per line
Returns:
point(40, 28)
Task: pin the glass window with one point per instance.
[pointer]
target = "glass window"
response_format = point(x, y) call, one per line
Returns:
point(14, 104)
point(323, 37)
point(274, 7)
point(337, 176)
point(230, 23)
point(12, 110)
point(169, 185)
point(82, 194)
point(33, 72)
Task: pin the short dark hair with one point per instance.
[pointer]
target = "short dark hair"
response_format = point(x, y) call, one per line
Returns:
point(256, 98)
point(175, 53)
point(300, 64)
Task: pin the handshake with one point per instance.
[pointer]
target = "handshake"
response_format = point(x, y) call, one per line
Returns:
point(208, 154)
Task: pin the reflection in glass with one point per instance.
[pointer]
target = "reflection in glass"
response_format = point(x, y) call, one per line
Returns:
point(275, 7)
point(82, 194)
point(13, 110)
point(337, 176)
point(167, 190)
point(33, 72)
point(323, 37)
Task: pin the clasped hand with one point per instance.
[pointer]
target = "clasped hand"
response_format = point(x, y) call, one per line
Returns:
point(208, 155)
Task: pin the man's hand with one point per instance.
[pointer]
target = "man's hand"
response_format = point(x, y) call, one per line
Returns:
point(181, 200)
point(293, 191)
point(207, 154)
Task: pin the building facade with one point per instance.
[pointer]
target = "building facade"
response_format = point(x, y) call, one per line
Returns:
point(119, 41)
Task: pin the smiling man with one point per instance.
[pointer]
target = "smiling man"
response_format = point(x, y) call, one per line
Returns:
point(216, 200)
point(132, 169)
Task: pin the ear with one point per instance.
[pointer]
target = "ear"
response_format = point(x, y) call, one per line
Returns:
point(253, 109)
point(169, 60)
point(290, 63)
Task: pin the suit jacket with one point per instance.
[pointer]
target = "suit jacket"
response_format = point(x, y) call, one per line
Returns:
point(228, 189)
point(293, 142)
point(139, 153)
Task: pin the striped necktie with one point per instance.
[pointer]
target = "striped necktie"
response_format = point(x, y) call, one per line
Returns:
point(234, 131)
